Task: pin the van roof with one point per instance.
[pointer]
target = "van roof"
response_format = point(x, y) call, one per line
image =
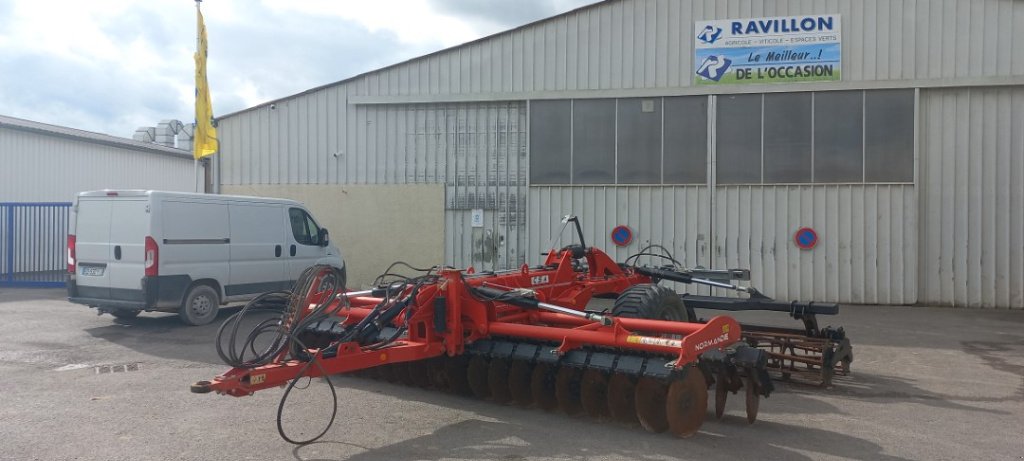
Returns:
point(172, 194)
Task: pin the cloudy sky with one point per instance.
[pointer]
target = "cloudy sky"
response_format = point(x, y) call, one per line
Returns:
point(111, 66)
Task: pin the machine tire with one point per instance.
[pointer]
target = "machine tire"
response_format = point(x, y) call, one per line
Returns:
point(650, 301)
point(125, 314)
point(200, 305)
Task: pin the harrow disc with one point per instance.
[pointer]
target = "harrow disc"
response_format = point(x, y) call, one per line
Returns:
point(388, 373)
point(476, 375)
point(594, 393)
point(455, 370)
point(519, 374)
point(497, 379)
point(621, 398)
point(542, 386)
point(650, 404)
point(753, 400)
point(687, 402)
point(567, 390)
point(438, 379)
point(721, 394)
point(419, 373)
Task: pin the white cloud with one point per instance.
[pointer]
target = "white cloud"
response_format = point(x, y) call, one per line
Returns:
point(113, 65)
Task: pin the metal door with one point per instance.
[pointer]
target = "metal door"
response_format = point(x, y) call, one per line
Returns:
point(33, 244)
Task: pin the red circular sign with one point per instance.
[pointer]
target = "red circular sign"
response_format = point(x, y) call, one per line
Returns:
point(805, 238)
point(622, 235)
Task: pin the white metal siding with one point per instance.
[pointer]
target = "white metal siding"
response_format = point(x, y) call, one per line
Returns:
point(866, 251)
point(972, 197)
point(637, 44)
point(42, 168)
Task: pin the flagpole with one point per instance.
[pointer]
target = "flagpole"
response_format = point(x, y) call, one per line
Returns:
point(195, 160)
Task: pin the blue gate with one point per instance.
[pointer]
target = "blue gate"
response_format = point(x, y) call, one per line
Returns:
point(33, 244)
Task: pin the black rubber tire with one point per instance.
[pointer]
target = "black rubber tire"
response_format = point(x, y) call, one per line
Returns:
point(125, 314)
point(650, 301)
point(200, 305)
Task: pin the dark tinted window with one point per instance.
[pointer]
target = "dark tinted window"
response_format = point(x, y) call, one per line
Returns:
point(787, 137)
point(889, 136)
point(739, 139)
point(593, 129)
point(639, 141)
point(838, 136)
point(686, 140)
point(550, 141)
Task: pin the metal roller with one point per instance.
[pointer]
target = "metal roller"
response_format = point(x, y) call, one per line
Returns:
point(519, 375)
point(542, 386)
point(497, 380)
point(594, 393)
point(651, 396)
point(686, 403)
point(438, 378)
point(622, 398)
point(476, 375)
point(403, 374)
point(388, 373)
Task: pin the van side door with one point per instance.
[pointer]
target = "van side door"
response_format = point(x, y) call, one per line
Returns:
point(303, 242)
point(258, 249)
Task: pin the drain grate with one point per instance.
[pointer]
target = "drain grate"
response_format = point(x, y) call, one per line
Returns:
point(103, 369)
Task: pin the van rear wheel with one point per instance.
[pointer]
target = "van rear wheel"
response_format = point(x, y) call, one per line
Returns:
point(200, 305)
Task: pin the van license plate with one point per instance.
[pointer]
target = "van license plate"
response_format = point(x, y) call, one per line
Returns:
point(93, 271)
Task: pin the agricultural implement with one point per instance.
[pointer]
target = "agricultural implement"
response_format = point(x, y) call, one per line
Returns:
point(519, 336)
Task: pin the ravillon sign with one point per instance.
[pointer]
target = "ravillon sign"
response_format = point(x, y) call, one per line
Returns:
point(768, 50)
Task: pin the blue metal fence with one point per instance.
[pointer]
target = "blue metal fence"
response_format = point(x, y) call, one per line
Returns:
point(33, 244)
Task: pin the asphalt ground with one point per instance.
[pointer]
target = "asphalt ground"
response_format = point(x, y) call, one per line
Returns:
point(927, 383)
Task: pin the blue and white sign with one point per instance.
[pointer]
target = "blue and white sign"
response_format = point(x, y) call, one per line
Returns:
point(768, 50)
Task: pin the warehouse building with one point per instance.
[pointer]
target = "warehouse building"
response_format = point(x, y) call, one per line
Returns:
point(847, 151)
point(45, 166)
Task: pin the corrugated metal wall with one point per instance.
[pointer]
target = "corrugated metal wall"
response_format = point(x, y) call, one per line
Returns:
point(635, 44)
point(972, 197)
point(866, 251)
point(40, 168)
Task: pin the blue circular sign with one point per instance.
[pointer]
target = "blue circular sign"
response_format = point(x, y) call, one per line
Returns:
point(622, 235)
point(805, 238)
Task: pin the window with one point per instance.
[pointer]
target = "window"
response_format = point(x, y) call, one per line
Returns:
point(550, 142)
point(839, 136)
point(639, 141)
point(593, 141)
point(787, 138)
point(304, 228)
point(686, 140)
point(889, 136)
point(739, 139)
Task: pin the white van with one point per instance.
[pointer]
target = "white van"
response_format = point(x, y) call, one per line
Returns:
point(134, 250)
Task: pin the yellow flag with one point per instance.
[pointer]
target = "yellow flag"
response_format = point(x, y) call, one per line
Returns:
point(204, 141)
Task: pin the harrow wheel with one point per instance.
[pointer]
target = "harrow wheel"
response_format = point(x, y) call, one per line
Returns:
point(594, 393)
point(519, 374)
point(497, 380)
point(687, 402)
point(542, 386)
point(567, 390)
point(476, 375)
point(651, 398)
point(621, 398)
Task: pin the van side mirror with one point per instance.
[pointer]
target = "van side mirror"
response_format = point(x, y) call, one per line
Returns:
point(324, 237)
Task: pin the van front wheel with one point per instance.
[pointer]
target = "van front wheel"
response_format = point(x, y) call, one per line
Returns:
point(200, 305)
